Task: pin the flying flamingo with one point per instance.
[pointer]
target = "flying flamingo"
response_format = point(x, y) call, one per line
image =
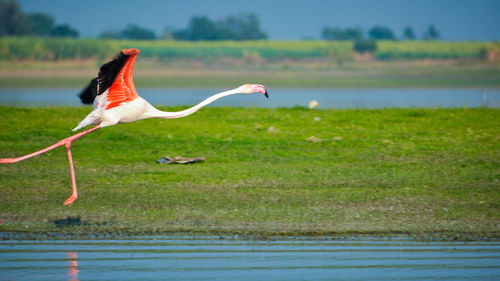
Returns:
point(116, 101)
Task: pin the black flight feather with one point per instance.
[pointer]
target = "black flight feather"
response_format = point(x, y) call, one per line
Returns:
point(104, 80)
point(88, 95)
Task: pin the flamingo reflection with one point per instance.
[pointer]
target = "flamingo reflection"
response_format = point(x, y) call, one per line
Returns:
point(72, 275)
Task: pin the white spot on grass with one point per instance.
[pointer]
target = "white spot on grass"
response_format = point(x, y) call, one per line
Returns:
point(272, 129)
point(314, 139)
point(313, 104)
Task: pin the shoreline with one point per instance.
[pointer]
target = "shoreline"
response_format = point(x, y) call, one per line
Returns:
point(206, 82)
point(424, 236)
point(318, 87)
point(280, 74)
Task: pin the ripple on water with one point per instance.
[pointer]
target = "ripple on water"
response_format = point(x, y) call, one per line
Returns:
point(210, 258)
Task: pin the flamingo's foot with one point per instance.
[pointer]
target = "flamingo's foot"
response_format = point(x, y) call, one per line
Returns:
point(7, 160)
point(70, 200)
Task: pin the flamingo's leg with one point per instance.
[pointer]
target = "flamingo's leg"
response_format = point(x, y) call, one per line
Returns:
point(14, 160)
point(73, 196)
point(67, 141)
point(60, 143)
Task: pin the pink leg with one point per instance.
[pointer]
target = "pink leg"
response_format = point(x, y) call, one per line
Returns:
point(14, 160)
point(67, 141)
point(73, 196)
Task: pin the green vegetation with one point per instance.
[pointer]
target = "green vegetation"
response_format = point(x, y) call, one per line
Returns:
point(15, 22)
point(29, 48)
point(381, 33)
point(376, 33)
point(415, 50)
point(409, 34)
point(416, 171)
point(237, 27)
point(335, 33)
point(132, 31)
point(365, 46)
point(32, 48)
point(432, 33)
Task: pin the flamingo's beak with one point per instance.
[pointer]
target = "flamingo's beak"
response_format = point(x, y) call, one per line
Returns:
point(256, 88)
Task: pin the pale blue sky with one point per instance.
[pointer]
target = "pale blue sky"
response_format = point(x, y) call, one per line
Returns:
point(281, 19)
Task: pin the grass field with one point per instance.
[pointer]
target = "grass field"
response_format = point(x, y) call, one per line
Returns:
point(48, 49)
point(414, 171)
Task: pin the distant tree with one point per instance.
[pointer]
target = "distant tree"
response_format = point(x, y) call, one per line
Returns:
point(167, 33)
point(240, 27)
point(330, 33)
point(381, 33)
point(63, 30)
point(432, 33)
point(40, 24)
point(182, 34)
point(199, 28)
point(12, 20)
point(353, 33)
point(133, 31)
point(364, 46)
point(408, 33)
point(110, 34)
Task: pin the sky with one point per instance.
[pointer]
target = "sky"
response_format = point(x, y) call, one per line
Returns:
point(456, 20)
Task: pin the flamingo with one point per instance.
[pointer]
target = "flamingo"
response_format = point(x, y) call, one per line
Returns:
point(115, 101)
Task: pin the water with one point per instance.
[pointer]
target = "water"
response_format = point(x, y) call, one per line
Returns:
point(211, 258)
point(328, 98)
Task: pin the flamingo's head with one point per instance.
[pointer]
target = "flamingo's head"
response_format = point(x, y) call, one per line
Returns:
point(252, 88)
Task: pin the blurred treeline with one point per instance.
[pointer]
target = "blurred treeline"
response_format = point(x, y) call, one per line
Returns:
point(35, 36)
point(378, 32)
point(240, 27)
point(13, 22)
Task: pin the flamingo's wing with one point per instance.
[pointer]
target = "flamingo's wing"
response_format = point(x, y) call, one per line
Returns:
point(123, 88)
point(115, 76)
point(88, 94)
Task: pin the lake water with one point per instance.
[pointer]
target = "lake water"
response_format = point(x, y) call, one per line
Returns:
point(328, 98)
point(213, 258)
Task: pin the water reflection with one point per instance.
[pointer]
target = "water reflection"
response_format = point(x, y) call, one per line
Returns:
point(216, 258)
point(72, 258)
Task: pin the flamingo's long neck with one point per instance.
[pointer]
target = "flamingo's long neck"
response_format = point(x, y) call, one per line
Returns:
point(155, 113)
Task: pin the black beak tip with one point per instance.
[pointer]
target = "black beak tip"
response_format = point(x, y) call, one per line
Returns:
point(266, 94)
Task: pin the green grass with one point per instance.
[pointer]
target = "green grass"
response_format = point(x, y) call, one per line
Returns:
point(415, 171)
